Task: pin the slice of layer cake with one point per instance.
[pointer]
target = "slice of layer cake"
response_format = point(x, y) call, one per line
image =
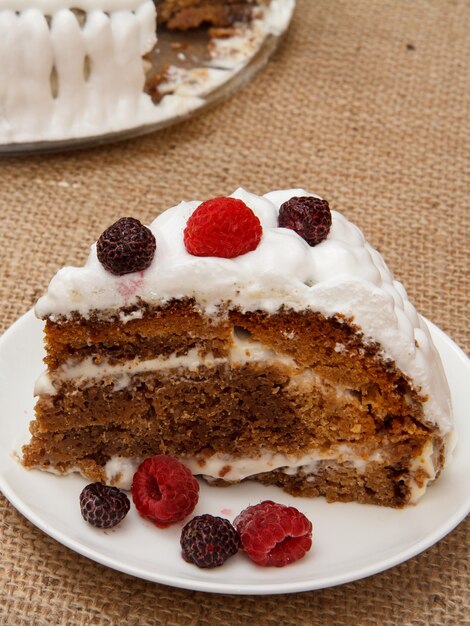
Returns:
point(251, 337)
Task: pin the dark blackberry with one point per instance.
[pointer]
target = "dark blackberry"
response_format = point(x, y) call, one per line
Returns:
point(126, 246)
point(208, 541)
point(103, 506)
point(309, 217)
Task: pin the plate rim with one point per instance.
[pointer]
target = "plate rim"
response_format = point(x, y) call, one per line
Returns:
point(272, 588)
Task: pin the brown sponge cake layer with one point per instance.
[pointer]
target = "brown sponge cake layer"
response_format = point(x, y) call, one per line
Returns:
point(379, 484)
point(186, 14)
point(335, 349)
point(230, 400)
point(337, 482)
point(148, 333)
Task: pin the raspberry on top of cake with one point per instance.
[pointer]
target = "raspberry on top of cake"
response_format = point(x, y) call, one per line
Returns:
point(250, 336)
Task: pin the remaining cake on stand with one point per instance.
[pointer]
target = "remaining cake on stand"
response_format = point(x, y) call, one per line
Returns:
point(297, 360)
point(74, 69)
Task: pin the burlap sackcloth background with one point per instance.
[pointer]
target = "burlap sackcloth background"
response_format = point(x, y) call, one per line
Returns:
point(366, 103)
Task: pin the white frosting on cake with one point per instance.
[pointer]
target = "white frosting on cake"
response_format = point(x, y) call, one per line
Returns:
point(61, 77)
point(343, 274)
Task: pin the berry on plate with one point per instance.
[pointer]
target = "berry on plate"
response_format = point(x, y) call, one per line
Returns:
point(103, 506)
point(222, 227)
point(309, 217)
point(126, 246)
point(164, 490)
point(274, 534)
point(208, 541)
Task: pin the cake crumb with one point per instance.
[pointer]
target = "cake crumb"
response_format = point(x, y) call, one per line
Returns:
point(225, 470)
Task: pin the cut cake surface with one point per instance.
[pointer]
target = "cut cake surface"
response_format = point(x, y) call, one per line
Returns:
point(304, 367)
point(186, 14)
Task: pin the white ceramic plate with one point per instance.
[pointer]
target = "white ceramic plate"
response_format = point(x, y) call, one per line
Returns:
point(351, 541)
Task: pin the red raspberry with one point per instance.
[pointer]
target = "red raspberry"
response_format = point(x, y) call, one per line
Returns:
point(309, 217)
point(164, 490)
point(222, 227)
point(208, 541)
point(126, 246)
point(274, 534)
point(103, 506)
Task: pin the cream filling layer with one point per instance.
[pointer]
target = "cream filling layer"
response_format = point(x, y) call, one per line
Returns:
point(86, 372)
point(119, 470)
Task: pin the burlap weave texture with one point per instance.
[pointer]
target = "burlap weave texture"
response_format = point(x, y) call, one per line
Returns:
point(366, 103)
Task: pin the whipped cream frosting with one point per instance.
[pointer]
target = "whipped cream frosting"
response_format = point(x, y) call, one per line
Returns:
point(64, 75)
point(61, 77)
point(343, 274)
